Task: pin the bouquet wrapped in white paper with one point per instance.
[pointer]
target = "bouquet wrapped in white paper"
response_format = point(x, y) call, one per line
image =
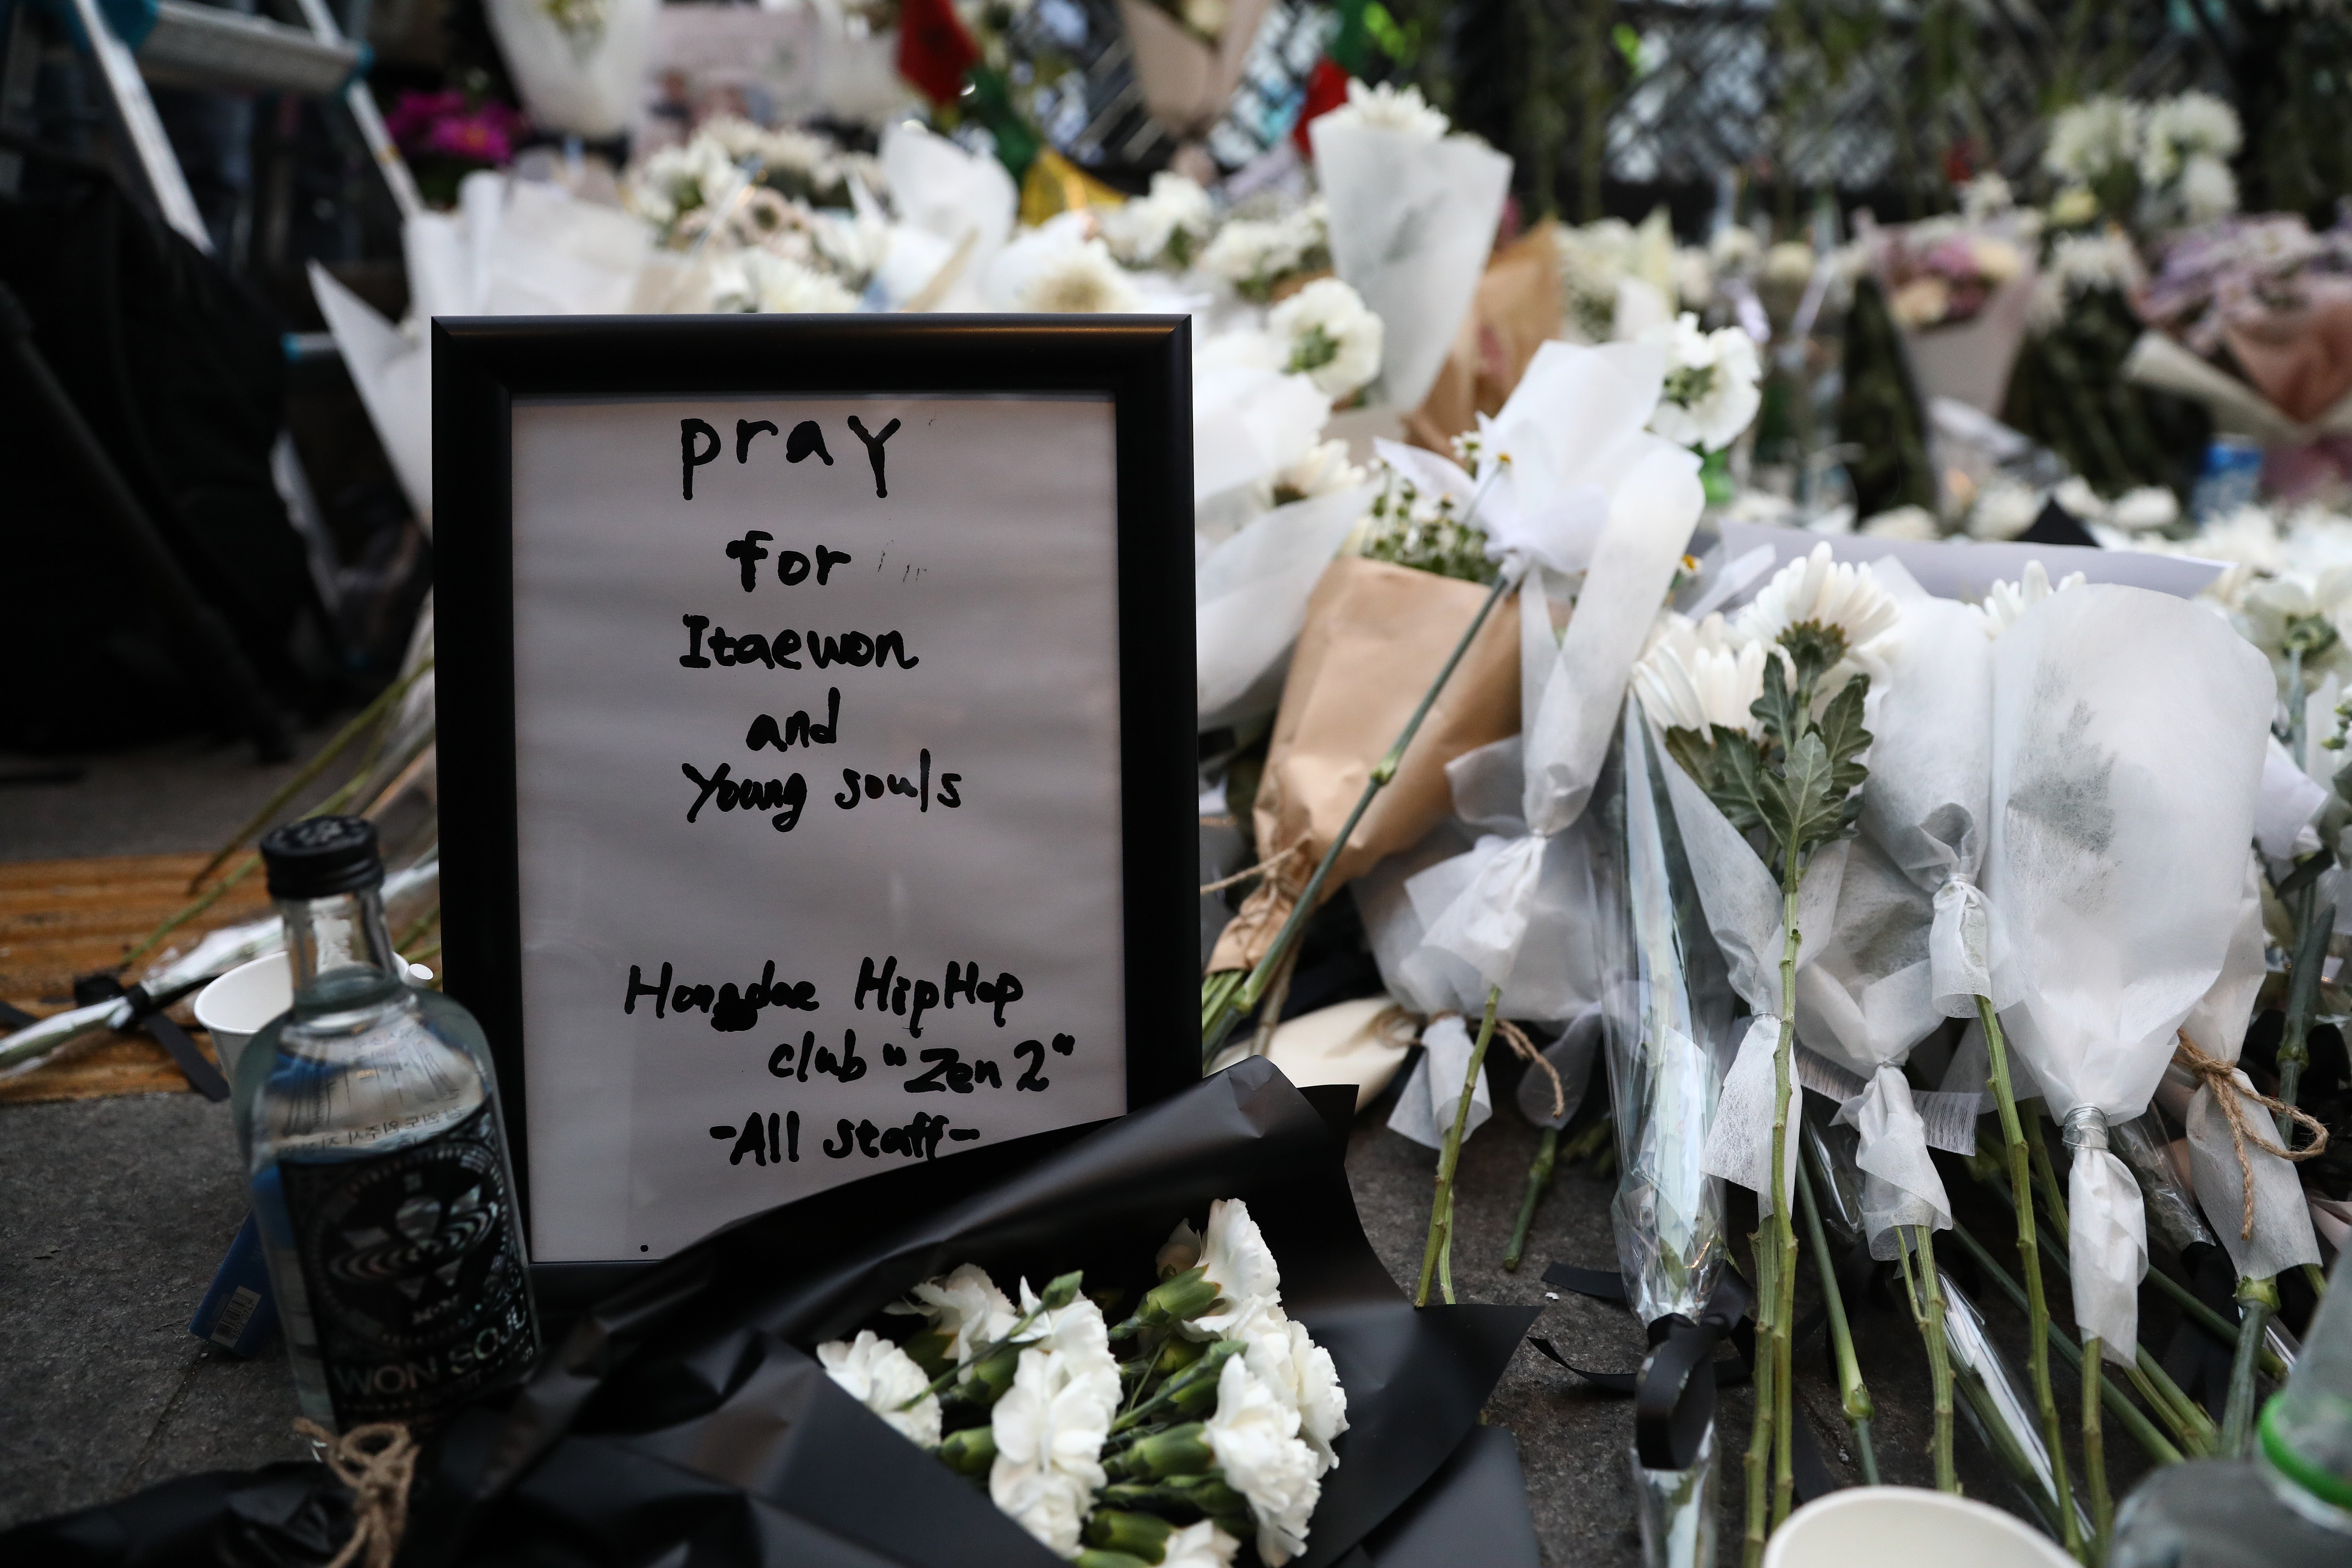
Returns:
point(1412, 216)
point(2128, 736)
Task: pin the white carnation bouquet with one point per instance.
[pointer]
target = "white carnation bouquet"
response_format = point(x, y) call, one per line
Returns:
point(1202, 1419)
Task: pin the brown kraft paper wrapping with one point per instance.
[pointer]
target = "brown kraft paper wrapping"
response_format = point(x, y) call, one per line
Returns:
point(1376, 637)
point(1517, 308)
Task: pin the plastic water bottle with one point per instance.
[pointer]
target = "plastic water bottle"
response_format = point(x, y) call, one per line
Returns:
point(369, 1120)
point(2290, 1506)
point(2231, 478)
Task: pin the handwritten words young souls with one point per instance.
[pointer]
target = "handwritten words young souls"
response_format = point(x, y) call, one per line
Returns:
point(760, 564)
point(752, 786)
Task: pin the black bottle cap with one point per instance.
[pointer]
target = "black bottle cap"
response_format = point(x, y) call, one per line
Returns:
point(320, 856)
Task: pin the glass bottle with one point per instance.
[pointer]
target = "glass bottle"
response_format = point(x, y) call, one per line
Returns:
point(2290, 1506)
point(368, 1116)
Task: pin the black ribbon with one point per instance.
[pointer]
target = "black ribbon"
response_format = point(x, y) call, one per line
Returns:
point(148, 1014)
point(1673, 1392)
point(14, 1017)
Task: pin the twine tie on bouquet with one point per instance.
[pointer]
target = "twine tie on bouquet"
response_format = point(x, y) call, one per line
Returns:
point(377, 1462)
point(2231, 1090)
point(1266, 868)
point(1511, 1035)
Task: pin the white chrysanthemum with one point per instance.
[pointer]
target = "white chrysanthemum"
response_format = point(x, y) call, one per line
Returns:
point(1240, 1265)
point(882, 1377)
point(1201, 1545)
point(2092, 137)
point(1050, 1427)
point(1388, 108)
point(1914, 522)
point(2003, 509)
point(1255, 1435)
point(763, 281)
point(2313, 614)
point(965, 1306)
point(1254, 254)
point(1323, 470)
point(1987, 195)
point(2082, 264)
point(1695, 677)
point(1711, 389)
point(2207, 189)
point(2073, 206)
point(1168, 226)
point(678, 179)
point(1298, 1371)
point(2004, 602)
point(1818, 591)
point(1331, 337)
point(1082, 280)
point(2179, 129)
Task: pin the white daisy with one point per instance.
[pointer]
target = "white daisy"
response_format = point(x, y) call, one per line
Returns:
point(1168, 226)
point(2207, 189)
point(760, 280)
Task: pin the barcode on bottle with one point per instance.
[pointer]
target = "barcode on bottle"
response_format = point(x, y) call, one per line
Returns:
point(230, 1324)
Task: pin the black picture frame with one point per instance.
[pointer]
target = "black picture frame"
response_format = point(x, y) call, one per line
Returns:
point(482, 364)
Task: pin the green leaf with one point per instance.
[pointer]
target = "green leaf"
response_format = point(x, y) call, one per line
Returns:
point(1809, 807)
point(1842, 734)
point(1691, 749)
point(1745, 789)
point(1777, 710)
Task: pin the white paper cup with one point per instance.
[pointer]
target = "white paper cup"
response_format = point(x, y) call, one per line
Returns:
point(234, 1007)
point(1910, 1525)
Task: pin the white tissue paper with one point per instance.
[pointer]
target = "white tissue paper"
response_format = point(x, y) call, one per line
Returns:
point(512, 248)
point(1250, 602)
point(1412, 222)
point(2128, 735)
point(1424, 1112)
point(1571, 686)
point(1743, 905)
point(2282, 1237)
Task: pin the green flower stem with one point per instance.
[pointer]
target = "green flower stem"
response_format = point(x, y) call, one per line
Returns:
point(1783, 1223)
point(2021, 1192)
point(2094, 1461)
point(2190, 1425)
point(1758, 1461)
point(1853, 1396)
point(1219, 1005)
point(1925, 1295)
point(1437, 1255)
point(2143, 1431)
point(2312, 927)
point(1538, 1178)
point(2258, 1301)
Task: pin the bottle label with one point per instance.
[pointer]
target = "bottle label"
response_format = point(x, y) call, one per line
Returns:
point(415, 1268)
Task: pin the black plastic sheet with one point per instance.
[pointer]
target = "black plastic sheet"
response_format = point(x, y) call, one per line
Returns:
point(682, 1421)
